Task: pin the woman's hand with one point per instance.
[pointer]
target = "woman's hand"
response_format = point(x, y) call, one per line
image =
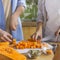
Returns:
point(14, 18)
point(5, 36)
point(13, 22)
point(38, 34)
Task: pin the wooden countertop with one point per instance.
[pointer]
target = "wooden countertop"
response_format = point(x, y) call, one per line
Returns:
point(44, 57)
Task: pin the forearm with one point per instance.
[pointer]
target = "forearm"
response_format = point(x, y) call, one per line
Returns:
point(39, 27)
point(19, 11)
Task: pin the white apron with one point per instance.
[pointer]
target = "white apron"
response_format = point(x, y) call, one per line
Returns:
point(53, 11)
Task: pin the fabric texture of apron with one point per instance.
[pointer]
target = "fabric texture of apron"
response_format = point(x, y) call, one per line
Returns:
point(18, 34)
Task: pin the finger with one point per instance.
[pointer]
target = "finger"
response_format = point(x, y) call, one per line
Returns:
point(3, 39)
point(33, 37)
point(14, 28)
point(39, 37)
point(36, 37)
point(7, 38)
point(10, 36)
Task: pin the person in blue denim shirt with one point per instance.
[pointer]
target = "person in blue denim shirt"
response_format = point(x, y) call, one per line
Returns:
point(15, 25)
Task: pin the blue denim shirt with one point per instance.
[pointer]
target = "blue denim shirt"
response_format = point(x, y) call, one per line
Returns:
point(18, 34)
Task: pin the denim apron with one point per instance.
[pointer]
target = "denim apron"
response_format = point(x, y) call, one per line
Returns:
point(18, 34)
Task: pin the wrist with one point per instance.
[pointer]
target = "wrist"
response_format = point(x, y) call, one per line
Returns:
point(1, 31)
point(39, 26)
point(15, 15)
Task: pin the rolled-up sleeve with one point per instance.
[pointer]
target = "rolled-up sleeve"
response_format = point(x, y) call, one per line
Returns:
point(40, 11)
point(21, 2)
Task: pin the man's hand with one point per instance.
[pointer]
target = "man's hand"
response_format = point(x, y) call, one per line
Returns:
point(5, 36)
point(13, 22)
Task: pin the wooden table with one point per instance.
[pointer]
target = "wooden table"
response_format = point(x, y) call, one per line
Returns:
point(30, 27)
point(47, 57)
point(44, 57)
